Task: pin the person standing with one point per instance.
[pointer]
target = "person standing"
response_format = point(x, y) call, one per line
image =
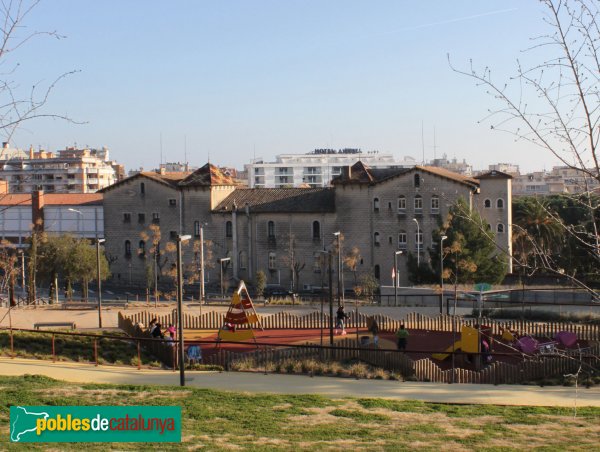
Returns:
point(402, 335)
point(374, 329)
point(341, 317)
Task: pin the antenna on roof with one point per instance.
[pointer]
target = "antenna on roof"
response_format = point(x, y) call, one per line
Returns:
point(434, 145)
point(422, 144)
point(161, 157)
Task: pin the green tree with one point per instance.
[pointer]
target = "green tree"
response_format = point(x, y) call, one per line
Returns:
point(469, 246)
point(261, 283)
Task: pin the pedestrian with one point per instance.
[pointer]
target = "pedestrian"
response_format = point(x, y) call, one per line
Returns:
point(374, 329)
point(341, 316)
point(171, 330)
point(157, 332)
point(402, 335)
point(151, 325)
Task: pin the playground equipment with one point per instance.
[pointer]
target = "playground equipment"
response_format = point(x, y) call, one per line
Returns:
point(469, 343)
point(241, 312)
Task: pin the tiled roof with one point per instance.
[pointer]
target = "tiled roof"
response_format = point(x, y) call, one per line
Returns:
point(449, 174)
point(207, 176)
point(494, 174)
point(278, 200)
point(55, 199)
point(170, 179)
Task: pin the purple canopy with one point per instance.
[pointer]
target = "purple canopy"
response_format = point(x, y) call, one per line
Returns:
point(566, 338)
point(527, 344)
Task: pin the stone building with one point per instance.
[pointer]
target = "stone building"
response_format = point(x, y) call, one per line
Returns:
point(378, 211)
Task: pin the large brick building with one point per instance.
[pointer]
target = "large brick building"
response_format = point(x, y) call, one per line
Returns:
point(378, 211)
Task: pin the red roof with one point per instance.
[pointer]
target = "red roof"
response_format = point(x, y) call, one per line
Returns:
point(54, 199)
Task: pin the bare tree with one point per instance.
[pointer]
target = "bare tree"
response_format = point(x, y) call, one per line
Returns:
point(18, 106)
point(554, 104)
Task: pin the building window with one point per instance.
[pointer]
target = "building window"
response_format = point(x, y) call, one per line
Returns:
point(127, 249)
point(228, 229)
point(173, 235)
point(418, 203)
point(141, 218)
point(401, 204)
point(271, 229)
point(271, 261)
point(126, 218)
point(376, 238)
point(142, 248)
point(155, 218)
point(317, 262)
point(316, 230)
point(500, 228)
point(417, 180)
point(500, 203)
point(172, 202)
point(377, 272)
point(142, 188)
point(487, 204)
point(435, 204)
point(196, 229)
point(402, 240)
point(376, 204)
point(243, 260)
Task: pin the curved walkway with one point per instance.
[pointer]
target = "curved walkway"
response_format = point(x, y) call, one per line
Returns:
point(299, 384)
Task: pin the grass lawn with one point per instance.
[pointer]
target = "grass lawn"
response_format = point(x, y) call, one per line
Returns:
point(215, 420)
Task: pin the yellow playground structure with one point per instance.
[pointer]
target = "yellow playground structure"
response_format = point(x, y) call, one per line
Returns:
point(469, 343)
point(241, 312)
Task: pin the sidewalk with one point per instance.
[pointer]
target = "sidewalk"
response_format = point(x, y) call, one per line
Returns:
point(300, 384)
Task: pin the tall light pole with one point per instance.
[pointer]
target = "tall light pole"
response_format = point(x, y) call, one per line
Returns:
point(224, 259)
point(180, 239)
point(339, 276)
point(98, 242)
point(396, 277)
point(442, 238)
point(418, 245)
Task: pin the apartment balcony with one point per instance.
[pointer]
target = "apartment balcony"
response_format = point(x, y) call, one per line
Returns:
point(92, 181)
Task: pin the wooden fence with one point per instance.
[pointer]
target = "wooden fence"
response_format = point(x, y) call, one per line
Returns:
point(283, 320)
point(531, 368)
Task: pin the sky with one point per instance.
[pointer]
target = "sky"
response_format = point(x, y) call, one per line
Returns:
point(227, 81)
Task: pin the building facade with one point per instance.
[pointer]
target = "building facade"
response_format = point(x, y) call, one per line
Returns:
point(67, 171)
point(315, 169)
point(284, 231)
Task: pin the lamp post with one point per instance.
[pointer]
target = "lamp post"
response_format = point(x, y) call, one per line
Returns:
point(339, 276)
point(98, 242)
point(396, 277)
point(224, 259)
point(202, 294)
point(442, 238)
point(180, 239)
point(418, 249)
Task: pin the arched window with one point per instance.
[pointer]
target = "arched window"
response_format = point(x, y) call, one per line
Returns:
point(271, 229)
point(500, 228)
point(376, 204)
point(418, 203)
point(435, 203)
point(316, 230)
point(243, 260)
point(377, 272)
point(417, 180)
point(376, 238)
point(487, 204)
point(401, 203)
point(196, 229)
point(142, 248)
point(500, 203)
point(127, 248)
point(228, 229)
point(142, 188)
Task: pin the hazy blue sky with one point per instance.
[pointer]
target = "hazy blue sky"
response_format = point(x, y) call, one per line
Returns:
point(238, 78)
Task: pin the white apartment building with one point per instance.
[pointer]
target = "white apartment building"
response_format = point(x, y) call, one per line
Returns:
point(68, 171)
point(314, 169)
point(560, 180)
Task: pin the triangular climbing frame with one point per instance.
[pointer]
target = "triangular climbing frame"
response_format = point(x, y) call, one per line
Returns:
point(241, 312)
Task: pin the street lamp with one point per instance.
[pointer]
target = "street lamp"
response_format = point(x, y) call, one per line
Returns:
point(339, 276)
point(396, 277)
point(180, 239)
point(418, 245)
point(442, 238)
point(224, 259)
point(98, 242)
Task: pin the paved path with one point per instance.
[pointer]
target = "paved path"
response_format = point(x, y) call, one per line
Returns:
point(299, 384)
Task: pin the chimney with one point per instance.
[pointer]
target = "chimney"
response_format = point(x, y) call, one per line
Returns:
point(37, 210)
point(31, 152)
point(347, 172)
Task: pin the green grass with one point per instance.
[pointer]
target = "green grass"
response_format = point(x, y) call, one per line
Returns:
point(216, 420)
point(74, 348)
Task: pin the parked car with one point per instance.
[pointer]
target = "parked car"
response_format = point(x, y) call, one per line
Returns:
point(276, 291)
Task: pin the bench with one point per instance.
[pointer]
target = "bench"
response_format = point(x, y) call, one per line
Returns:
point(71, 325)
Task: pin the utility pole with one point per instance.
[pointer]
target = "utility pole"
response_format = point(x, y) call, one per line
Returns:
point(180, 238)
point(99, 295)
